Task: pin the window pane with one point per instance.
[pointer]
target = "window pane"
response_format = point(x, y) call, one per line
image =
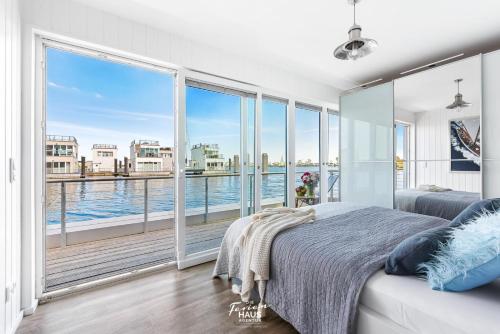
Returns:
point(213, 186)
point(96, 105)
point(251, 154)
point(402, 156)
point(333, 157)
point(307, 156)
point(273, 146)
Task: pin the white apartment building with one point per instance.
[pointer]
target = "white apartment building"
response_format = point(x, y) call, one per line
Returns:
point(145, 156)
point(103, 157)
point(61, 154)
point(206, 157)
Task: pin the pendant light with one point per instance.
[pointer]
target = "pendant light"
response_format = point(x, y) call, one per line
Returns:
point(459, 102)
point(357, 46)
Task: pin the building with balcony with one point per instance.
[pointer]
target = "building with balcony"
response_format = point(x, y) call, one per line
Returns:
point(167, 156)
point(206, 157)
point(61, 154)
point(103, 157)
point(145, 156)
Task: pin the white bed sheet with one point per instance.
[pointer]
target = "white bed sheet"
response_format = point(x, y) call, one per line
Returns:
point(406, 304)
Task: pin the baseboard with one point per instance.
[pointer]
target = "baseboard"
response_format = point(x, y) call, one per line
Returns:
point(17, 322)
point(30, 310)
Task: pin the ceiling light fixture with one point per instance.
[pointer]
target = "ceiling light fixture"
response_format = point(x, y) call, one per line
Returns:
point(459, 103)
point(357, 46)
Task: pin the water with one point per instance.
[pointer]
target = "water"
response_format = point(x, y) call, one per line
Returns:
point(107, 199)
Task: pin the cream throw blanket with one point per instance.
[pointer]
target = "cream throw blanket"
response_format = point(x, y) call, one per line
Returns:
point(255, 243)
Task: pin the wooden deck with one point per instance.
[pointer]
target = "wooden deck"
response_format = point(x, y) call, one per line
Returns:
point(90, 261)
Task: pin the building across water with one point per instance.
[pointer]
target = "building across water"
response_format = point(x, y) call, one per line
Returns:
point(206, 157)
point(167, 156)
point(145, 156)
point(61, 154)
point(103, 157)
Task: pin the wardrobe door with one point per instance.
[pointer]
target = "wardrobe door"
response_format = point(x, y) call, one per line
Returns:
point(366, 146)
point(490, 120)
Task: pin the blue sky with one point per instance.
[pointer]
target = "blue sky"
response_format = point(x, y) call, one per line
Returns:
point(400, 135)
point(102, 102)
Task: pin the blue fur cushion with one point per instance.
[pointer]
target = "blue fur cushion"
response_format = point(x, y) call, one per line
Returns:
point(470, 258)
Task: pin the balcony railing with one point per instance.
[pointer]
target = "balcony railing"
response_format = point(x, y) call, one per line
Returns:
point(101, 227)
point(61, 138)
point(146, 180)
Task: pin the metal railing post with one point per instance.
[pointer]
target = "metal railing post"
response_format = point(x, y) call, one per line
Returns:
point(145, 206)
point(250, 183)
point(63, 215)
point(206, 200)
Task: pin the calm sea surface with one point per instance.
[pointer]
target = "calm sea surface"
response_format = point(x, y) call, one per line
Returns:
point(95, 200)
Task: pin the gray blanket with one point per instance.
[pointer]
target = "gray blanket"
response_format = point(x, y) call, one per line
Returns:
point(447, 204)
point(318, 270)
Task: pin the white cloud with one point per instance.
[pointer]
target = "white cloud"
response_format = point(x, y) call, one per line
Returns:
point(74, 89)
point(137, 116)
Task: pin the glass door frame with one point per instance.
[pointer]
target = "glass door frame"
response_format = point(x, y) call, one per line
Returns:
point(42, 43)
point(406, 154)
point(222, 85)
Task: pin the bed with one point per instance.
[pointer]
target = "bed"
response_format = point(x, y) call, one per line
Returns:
point(406, 305)
point(444, 204)
point(319, 270)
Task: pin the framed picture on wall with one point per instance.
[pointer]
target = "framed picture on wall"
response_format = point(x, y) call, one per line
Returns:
point(465, 145)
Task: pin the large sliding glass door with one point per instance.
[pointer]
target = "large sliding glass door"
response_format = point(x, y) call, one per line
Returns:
point(109, 166)
point(366, 126)
point(220, 162)
point(117, 199)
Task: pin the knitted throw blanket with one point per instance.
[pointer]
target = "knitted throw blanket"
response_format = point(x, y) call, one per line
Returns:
point(255, 243)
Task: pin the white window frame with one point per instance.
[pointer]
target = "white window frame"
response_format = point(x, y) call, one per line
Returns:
point(407, 153)
point(42, 41)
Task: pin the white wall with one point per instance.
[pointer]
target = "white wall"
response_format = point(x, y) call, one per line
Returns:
point(433, 151)
point(92, 25)
point(10, 141)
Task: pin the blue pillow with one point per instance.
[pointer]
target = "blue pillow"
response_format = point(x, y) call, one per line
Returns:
point(475, 210)
point(470, 258)
point(421, 247)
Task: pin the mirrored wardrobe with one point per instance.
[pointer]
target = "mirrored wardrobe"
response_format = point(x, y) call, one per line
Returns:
point(437, 139)
point(415, 143)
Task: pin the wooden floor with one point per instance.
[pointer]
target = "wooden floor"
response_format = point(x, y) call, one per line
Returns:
point(86, 262)
point(187, 301)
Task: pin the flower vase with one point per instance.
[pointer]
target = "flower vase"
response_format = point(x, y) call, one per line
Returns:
point(310, 190)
